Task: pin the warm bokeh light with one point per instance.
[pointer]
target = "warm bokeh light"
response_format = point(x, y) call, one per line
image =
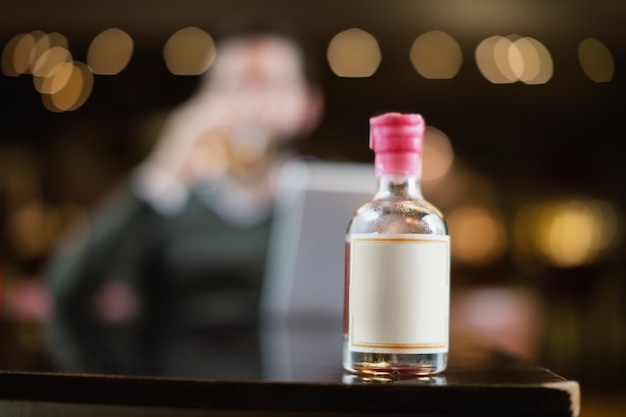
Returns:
point(436, 55)
point(490, 61)
point(50, 69)
point(479, 236)
point(9, 53)
point(110, 52)
point(49, 59)
point(57, 39)
point(35, 228)
point(535, 62)
point(189, 51)
point(596, 60)
point(28, 230)
point(64, 84)
point(505, 60)
point(17, 53)
point(74, 92)
point(40, 46)
point(567, 232)
point(353, 53)
point(43, 45)
point(438, 154)
point(506, 56)
point(56, 78)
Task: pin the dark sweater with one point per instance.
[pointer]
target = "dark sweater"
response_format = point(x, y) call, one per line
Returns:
point(191, 273)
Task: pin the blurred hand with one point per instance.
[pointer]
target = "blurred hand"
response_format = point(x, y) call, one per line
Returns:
point(191, 147)
point(202, 141)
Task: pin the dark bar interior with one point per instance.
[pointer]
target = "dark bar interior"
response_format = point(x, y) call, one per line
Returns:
point(531, 173)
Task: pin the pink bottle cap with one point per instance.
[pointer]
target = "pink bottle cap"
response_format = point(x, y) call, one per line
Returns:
point(397, 140)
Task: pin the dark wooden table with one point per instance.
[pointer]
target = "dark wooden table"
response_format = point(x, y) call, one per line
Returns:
point(292, 373)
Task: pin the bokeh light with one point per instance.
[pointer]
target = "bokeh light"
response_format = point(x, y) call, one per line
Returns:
point(438, 154)
point(436, 55)
point(36, 227)
point(535, 64)
point(110, 52)
point(17, 53)
point(567, 232)
point(74, 92)
point(189, 51)
point(353, 53)
point(50, 58)
point(56, 79)
point(596, 60)
point(65, 84)
point(490, 62)
point(505, 60)
point(41, 45)
point(28, 230)
point(49, 72)
point(39, 53)
point(9, 53)
point(479, 235)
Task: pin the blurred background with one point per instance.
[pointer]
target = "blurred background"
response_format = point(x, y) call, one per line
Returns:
point(524, 103)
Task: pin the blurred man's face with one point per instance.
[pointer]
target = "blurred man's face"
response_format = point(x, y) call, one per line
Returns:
point(261, 82)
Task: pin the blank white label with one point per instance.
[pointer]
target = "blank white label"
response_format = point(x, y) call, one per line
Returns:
point(399, 293)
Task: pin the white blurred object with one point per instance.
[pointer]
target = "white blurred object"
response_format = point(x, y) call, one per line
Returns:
point(305, 274)
point(304, 282)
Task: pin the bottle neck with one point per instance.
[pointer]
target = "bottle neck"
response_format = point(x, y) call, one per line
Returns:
point(398, 175)
point(394, 186)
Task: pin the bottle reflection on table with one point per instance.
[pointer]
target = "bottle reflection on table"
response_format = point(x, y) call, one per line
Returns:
point(393, 378)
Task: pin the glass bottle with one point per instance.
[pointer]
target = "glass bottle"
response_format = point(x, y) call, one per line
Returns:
point(397, 276)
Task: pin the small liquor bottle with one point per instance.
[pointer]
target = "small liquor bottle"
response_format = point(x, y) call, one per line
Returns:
point(397, 289)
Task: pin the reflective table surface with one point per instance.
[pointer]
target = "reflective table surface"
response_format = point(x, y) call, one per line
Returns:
point(293, 370)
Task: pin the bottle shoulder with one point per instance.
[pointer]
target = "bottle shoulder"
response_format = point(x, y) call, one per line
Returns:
point(398, 216)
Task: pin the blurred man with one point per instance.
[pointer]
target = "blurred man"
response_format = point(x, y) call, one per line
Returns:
point(183, 244)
